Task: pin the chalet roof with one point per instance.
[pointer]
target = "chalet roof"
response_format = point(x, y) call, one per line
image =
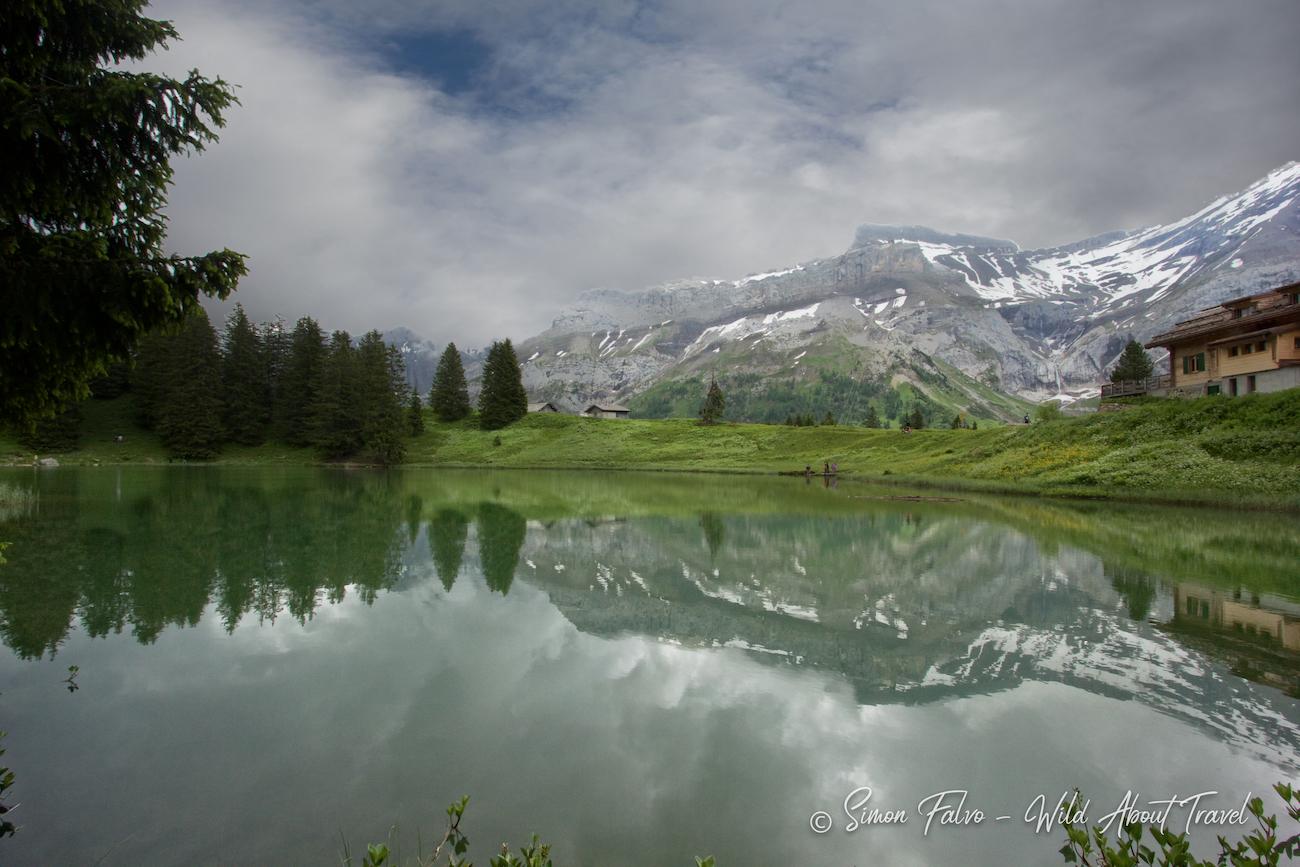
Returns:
point(608, 407)
point(1272, 307)
point(1263, 332)
point(535, 407)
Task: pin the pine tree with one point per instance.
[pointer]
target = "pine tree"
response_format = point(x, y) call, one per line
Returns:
point(58, 433)
point(1134, 363)
point(916, 419)
point(383, 378)
point(87, 139)
point(148, 375)
point(449, 395)
point(336, 410)
point(189, 413)
point(245, 382)
point(828, 419)
point(299, 383)
point(415, 414)
point(714, 404)
point(275, 341)
point(502, 399)
point(873, 417)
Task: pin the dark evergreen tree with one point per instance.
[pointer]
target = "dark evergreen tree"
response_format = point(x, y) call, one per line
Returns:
point(299, 383)
point(188, 413)
point(449, 395)
point(58, 433)
point(873, 418)
point(114, 383)
point(502, 399)
point(245, 382)
point(149, 375)
point(415, 414)
point(275, 340)
point(916, 419)
point(86, 141)
point(1134, 363)
point(828, 419)
point(336, 414)
point(893, 404)
point(714, 404)
point(383, 381)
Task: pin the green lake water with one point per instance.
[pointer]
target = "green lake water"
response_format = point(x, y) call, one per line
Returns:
point(639, 667)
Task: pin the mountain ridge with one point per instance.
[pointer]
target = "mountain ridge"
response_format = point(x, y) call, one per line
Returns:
point(980, 312)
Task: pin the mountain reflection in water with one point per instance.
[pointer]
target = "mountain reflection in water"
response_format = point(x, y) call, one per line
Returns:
point(1190, 614)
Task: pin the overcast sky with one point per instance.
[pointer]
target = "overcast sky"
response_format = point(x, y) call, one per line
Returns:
point(465, 168)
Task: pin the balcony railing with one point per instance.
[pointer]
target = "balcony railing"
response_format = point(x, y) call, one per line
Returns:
point(1130, 387)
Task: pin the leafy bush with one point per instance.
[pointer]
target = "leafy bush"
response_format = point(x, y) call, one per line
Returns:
point(456, 844)
point(1260, 848)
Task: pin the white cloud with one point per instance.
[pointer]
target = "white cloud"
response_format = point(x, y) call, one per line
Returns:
point(625, 144)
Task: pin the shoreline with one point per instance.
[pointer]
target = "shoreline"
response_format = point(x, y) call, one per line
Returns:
point(1241, 454)
point(1225, 500)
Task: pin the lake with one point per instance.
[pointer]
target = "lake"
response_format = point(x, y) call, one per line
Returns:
point(638, 667)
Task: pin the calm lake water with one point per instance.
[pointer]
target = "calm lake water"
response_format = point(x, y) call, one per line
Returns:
point(639, 667)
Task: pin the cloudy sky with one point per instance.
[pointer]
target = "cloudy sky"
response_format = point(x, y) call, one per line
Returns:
point(466, 167)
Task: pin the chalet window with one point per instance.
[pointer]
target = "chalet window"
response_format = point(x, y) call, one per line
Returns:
point(1232, 351)
point(1247, 349)
point(1250, 385)
point(1297, 343)
point(1212, 389)
point(1262, 346)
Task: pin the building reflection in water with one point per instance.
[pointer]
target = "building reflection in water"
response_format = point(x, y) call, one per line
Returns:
point(1258, 633)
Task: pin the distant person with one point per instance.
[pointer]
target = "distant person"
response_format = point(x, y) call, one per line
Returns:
point(807, 469)
point(826, 468)
point(835, 468)
point(1026, 418)
point(907, 428)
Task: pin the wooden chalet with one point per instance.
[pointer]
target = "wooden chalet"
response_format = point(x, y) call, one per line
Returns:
point(1243, 346)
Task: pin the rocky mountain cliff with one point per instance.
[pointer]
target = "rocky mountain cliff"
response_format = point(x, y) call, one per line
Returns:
point(956, 322)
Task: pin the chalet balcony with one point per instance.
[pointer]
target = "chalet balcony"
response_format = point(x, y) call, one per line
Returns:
point(1134, 387)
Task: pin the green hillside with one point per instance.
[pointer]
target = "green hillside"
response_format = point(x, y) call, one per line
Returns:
point(832, 376)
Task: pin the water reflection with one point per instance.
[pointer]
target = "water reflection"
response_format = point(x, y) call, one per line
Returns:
point(1258, 634)
point(451, 629)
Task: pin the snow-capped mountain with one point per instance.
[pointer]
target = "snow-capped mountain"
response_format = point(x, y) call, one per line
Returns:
point(951, 316)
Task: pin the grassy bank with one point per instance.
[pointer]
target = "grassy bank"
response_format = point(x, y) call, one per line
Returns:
point(1242, 451)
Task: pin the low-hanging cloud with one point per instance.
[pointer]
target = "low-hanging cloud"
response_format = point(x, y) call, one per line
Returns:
point(625, 144)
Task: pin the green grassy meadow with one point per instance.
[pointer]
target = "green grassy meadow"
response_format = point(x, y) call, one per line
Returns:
point(1232, 451)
